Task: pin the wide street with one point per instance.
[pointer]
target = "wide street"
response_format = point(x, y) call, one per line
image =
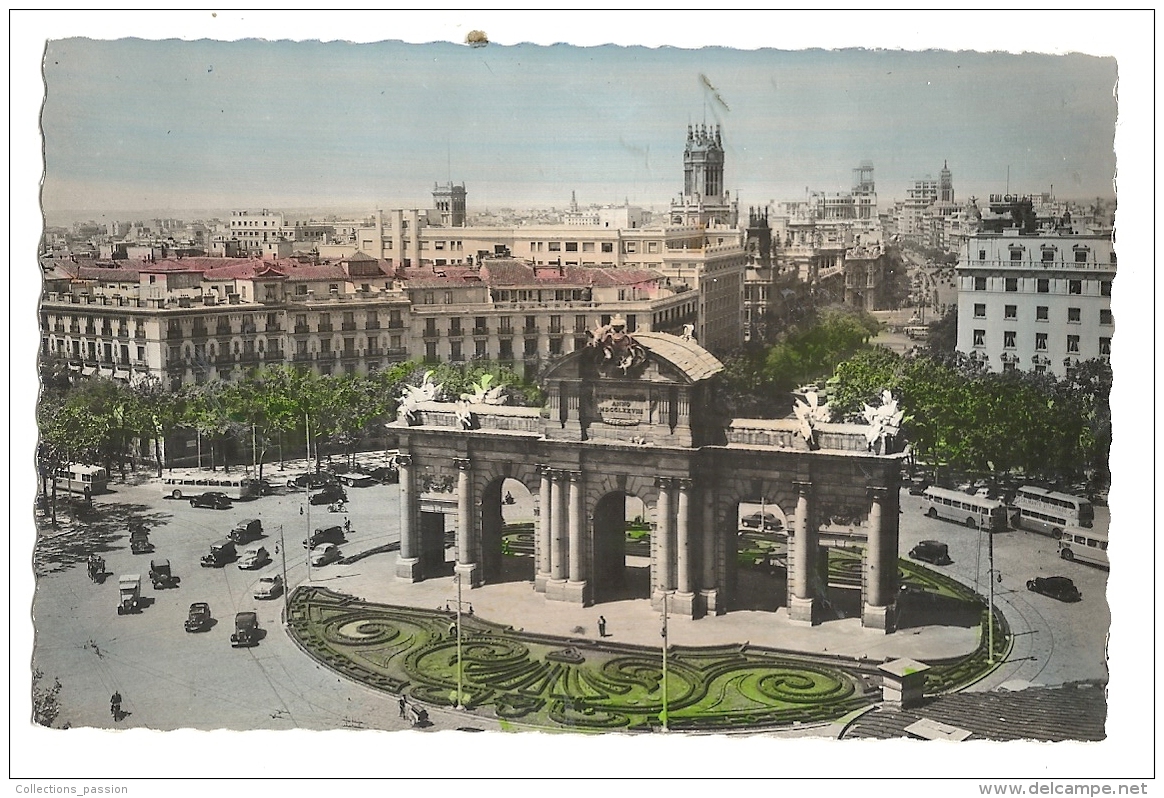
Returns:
point(173, 679)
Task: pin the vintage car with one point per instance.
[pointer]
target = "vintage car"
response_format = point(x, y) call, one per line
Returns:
point(311, 480)
point(254, 558)
point(770, 521)
point(215, 500)
point(328, 494)
point(269, 587)
point(246, 530)
point(331, 534)
point(354, 479)
point(139, 539)
point(246, 630)
point(128, 593)
point(198, 619)
point(161, 576)
point(931, 551)
point(220, 554)
point(325, 554)
point(95, 565)
point(1057, 587)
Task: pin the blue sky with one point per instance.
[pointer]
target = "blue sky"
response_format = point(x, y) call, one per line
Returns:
point(138, 124)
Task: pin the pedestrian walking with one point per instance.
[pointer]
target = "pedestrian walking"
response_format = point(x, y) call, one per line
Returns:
point(115, 706)
point(347, 526)
point(601, 626)
point(403, 705)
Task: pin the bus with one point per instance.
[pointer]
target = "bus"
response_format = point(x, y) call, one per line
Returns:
point(1050, 513)
point(973, 511)
point(917, 333)
point(237, 488)
point(1084, 545)
point(87, 479)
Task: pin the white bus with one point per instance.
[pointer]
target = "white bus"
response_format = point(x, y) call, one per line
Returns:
point(1084, 545)
point(237, 488)
point(1050, 513)
point(973, 511)
point(87, 479)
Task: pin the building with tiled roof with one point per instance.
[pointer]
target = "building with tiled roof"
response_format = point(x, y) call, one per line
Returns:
point(197, 319)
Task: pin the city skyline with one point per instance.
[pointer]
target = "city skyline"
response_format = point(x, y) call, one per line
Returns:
point(1103, 32)
point(344, 125)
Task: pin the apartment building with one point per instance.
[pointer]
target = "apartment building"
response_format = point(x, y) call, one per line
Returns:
point(1036, 301)
point(199, 319)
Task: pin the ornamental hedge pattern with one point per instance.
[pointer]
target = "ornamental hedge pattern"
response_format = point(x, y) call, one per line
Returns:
point(568, 684)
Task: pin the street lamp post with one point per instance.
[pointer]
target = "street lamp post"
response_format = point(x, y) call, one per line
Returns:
point(990, 605)
point(663, 714)
point(286, 587)
point(460, 669)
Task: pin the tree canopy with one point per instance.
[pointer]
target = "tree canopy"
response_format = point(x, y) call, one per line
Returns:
point(984, 423)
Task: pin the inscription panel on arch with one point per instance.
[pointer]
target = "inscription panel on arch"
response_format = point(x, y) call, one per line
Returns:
point(627, 410)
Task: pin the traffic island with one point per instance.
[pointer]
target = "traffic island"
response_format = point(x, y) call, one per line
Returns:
point(578, 684)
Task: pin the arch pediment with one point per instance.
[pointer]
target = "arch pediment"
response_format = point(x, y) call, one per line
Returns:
point(639, 357)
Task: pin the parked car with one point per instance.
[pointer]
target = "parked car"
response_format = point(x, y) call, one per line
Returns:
point(331, 534)
point(254, 558)
point(215, 500)
point(918, 486)
point(220, 554)
point(771, 522)
point(1057, 587)
point(246, 630)
point(932, 551)
point(246, 530)
point(266, 487)
point(325, 554)
point(161, 576)
point(269, 587)
point(311, 480)
point(385, 474)
point(331, 492)
point(355, 480)
point(198, 619)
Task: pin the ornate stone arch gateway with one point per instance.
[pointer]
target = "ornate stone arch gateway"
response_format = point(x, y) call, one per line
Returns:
point(639, 416)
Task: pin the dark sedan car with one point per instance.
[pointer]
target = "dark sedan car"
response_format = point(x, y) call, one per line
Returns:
point(932, 551)
point(328, 494)
point(214, 500)
point(1057, 587)
point(311, 481)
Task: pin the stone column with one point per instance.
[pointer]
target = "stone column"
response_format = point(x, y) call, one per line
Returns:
point(557, 528)
point(684, 599)
point(578, 588)
point(665, 533)
point(575, 526)
point(880, 569)
point(708, 583)
point(467, 564)
point(545, 519)
point(408, 564)
point(802, 604)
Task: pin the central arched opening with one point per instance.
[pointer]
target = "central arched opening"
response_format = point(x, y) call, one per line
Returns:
point(622, 548)
point(760, 564)
point(507, 532)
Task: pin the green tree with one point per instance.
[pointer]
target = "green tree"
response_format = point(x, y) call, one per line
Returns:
point(943, 333)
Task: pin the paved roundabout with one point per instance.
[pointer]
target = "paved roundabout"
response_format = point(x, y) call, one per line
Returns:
point(579, 684)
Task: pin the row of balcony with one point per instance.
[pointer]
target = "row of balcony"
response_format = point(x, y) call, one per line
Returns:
point(300, 329)
point(398, 353)
point(173, 334)
point(85, 360)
